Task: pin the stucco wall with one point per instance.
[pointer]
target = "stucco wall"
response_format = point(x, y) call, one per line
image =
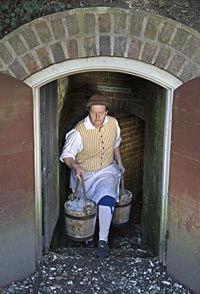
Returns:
point(17, 195)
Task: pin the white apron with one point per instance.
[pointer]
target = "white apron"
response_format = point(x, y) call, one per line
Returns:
point(104, 182)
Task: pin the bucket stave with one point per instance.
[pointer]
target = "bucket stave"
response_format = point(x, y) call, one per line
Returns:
point(80, 221)
point(123, 207)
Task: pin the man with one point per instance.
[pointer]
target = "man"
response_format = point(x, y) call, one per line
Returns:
point(92, 152)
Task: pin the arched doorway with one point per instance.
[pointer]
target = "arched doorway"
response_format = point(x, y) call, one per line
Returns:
point(113, 64)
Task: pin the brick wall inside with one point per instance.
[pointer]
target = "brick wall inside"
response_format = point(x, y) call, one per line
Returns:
point(132, 132)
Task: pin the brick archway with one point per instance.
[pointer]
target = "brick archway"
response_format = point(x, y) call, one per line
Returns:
point(92, 32)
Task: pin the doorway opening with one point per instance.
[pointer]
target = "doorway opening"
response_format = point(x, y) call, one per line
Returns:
point(140, 107)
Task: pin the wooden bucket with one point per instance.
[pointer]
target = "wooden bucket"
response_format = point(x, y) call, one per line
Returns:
point(123, 207)
point(80, 225)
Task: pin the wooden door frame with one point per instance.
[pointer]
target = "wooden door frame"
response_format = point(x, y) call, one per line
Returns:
point(114, 64)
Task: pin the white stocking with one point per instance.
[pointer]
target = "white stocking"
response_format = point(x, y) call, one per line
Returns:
point(105, 218)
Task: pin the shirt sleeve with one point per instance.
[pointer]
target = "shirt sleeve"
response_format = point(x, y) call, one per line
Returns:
point(73, 145)
point(118, 139)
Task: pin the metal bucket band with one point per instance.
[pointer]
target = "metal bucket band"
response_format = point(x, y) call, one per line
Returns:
point(123, 205)
point(80, 217)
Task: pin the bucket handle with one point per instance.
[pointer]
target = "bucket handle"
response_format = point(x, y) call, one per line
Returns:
point(122, 182)
point(75, 194)
point(87, 208)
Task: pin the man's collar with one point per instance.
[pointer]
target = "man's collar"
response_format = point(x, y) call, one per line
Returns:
point(88, 123)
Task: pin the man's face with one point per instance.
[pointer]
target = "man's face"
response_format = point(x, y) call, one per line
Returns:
point(97, 115)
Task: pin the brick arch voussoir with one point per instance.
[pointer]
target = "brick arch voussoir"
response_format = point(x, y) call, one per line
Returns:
point(93, 32)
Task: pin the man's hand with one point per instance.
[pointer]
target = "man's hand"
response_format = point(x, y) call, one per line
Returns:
point(121, 167)
point(78, 170)
point(118, 159)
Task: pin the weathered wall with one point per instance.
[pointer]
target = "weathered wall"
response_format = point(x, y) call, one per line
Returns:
point(183, 260)
point(17, 197)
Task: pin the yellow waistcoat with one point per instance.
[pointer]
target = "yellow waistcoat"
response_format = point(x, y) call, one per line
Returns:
point(98, 145)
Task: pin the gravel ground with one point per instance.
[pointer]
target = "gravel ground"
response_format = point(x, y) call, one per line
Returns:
point(73, 268)
point(129, 269)
point(79, 271)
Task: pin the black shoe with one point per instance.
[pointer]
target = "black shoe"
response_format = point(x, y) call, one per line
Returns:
point(102, 249)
